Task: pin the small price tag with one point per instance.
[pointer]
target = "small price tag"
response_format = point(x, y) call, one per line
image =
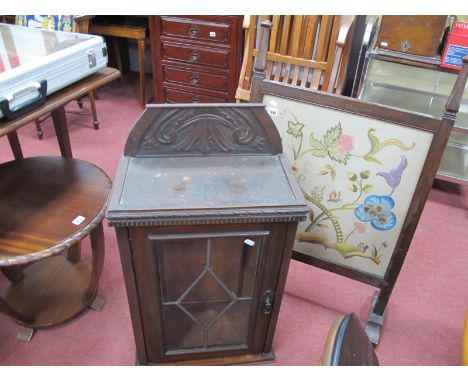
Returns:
point(273, 111)
point(249, 242)
point(383, 43)
point(213, 34)
point(78, 220)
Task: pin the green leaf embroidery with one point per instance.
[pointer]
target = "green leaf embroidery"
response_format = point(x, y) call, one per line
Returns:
point(332, 135)
point(370, 158)
point(337, 156)
point(376, 146)
point(345, 248)
point(374, 141)
point(398, 143)
point(317, 148)
point(368, 188)
point(317, 193)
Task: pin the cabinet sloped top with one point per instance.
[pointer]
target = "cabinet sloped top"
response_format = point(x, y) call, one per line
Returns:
point(214, 166)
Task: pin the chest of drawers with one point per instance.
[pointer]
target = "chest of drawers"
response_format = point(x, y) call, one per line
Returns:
point(195, 58)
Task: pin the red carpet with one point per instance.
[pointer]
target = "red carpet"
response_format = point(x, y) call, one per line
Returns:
point(424, 318)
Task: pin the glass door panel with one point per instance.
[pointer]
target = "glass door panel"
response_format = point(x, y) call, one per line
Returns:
point(207, 285)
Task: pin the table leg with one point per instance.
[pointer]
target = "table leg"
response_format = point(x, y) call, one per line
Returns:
point(15, 145)
point(74, 253)
point(92, 103)
point(14, 274)
point(464, 195)
point(25, 334)
point(141, 54)
point(61, 130)
point(98, 248)
point(9, 311)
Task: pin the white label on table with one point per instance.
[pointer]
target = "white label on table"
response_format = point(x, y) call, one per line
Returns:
point(213, 34)
point(249, 242)
point(384, 43)
point(78, 220)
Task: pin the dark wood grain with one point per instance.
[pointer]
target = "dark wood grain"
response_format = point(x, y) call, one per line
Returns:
point(203, 53)
point(347, 344)
point(422, 34)
point(39, 224)
point(205, 267)
point(40, 198)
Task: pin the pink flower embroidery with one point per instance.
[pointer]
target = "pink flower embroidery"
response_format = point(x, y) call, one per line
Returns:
point(346, 143)
point(360, 227)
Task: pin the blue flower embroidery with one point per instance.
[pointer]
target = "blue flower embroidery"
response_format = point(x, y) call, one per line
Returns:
point(376, 209)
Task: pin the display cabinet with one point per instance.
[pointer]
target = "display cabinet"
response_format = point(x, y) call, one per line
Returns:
point(206, 209)
point(195, 58)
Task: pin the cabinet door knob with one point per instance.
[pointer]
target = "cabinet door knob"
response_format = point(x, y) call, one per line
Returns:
point(193, 31)
point(195, 99)
point(193, 57)
point(194, 79)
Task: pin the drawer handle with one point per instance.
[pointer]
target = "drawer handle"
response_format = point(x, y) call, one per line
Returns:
point(195, 99)
point(193, 57)
point(193, 31)
point(194, 79)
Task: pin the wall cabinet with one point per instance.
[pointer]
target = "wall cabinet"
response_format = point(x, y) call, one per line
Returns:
point(206, 209)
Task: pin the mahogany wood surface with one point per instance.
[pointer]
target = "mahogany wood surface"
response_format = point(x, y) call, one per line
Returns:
point(40, 198)
point(55, 104)
point(204, 267)
point(196, 59)
point(348, 345)
point(419, 35)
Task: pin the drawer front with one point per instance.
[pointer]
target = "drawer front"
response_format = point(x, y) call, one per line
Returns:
point(195, 55)
point(196, 78)
point(180, 96)
point(195, 29)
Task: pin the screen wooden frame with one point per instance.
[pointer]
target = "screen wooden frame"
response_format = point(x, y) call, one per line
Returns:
point(439, 127)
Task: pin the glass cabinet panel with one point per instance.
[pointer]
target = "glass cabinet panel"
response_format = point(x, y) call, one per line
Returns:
point(207, 287)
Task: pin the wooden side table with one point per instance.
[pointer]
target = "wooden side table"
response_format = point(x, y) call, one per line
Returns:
point(137, 30)
point(47, 206)
point(55, 104)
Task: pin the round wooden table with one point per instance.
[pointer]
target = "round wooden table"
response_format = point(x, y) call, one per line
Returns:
point(47, 206)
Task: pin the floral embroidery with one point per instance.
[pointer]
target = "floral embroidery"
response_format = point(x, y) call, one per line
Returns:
point(393, 177)
point(334, 196)
point(360, 227)
point(295, 129)
point(357, 197)
point(346, 143)
point(376, 209)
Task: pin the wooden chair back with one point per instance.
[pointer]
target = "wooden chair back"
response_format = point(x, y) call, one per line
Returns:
point(307, 51)
point(348, 345)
